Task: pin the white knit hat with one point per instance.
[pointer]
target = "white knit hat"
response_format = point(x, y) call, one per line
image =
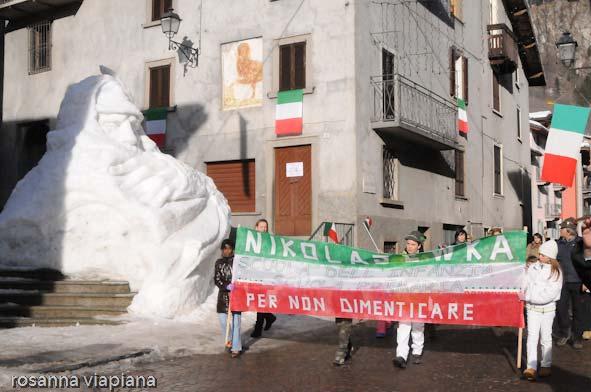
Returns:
point(549, 249)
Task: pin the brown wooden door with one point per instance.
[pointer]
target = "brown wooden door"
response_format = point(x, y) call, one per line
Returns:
point(293, 191)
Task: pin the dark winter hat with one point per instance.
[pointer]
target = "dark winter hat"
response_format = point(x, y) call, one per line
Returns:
point(227, 242)
point(415, 236)
point(569, 223)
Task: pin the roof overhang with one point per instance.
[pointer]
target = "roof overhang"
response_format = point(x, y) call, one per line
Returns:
point(22, 13)
point(518, 13)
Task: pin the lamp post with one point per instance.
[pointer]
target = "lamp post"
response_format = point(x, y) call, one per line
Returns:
point(170, 23)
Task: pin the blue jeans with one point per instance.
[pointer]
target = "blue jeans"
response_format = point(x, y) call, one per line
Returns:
point(234, 330)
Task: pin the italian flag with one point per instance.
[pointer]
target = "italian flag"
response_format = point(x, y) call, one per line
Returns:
point(462, 117)
point(330, 231)
point(288, 114)
point(564, 144)
point(467, 284)
point(156, 125)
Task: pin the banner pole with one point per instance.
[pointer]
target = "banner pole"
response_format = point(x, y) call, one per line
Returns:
point(371, 238)
point(519, 347)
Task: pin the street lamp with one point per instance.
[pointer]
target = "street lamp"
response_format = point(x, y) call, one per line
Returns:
point(170, 23)
point(566, 49)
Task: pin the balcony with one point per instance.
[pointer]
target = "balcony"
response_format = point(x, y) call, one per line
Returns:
point(403, 108)
point(553, 211)
point(502, 49)
point(21, 13)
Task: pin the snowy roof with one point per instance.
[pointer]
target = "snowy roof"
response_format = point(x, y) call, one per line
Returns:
point(543, 115)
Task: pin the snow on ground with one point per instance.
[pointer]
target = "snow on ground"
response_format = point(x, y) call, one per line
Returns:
point(26, 350)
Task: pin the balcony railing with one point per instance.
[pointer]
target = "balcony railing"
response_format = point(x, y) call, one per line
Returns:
point(502, 48)
point(553, 210)
point(404, 108)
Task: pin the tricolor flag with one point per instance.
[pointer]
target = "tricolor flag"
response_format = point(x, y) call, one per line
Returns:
point(330, 231)
point(462, 117)
point(288, 114)
point(564, 143)
point(469, 284)
point(368, 222)
point(156, 125)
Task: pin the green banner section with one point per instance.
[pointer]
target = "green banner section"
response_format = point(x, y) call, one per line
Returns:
point(506, 248)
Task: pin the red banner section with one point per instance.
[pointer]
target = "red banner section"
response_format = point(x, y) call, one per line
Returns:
point(482, 308)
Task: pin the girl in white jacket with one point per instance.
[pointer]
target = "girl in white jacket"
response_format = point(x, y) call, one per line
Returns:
point(543, 283)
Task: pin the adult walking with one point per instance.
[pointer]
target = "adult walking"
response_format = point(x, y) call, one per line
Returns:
point(223, 280)
point(262, 318)
point(581, 257)
point(410, 329)
point(572, 295)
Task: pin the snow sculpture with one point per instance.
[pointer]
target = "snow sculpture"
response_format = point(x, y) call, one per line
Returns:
point(105, 202)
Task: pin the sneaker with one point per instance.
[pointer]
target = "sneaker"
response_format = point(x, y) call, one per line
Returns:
point(417, 359)
point(529, 374)
point(399, 362)
point(577, 345)
point(561, 342)
point(339, 359)
point(270, 322)
point(545, 372)
point(587, 335)
point(236, 354)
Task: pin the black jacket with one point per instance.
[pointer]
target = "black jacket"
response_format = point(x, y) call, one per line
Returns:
point(565, 249)
point(222, 278)
point(582, 266)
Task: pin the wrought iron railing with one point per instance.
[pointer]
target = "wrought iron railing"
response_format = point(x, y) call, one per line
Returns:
point(396, 98)
point(344, 233)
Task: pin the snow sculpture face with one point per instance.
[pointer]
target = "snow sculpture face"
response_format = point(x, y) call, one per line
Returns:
point(104, 201)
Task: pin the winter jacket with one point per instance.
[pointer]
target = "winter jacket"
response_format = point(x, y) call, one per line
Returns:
point(565, 249)
point(222, 278)
point(582, 265)
point(541, 289)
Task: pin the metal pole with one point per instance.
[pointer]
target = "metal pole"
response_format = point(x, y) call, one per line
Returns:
point(371, 238)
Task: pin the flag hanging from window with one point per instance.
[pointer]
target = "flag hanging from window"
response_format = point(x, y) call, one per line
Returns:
point(330, 231)
point(564, 143)
point(462, 117)
point(288, 113)
point(156, 125)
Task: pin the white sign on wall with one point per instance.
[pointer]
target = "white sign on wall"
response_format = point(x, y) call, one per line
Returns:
point(294, 169)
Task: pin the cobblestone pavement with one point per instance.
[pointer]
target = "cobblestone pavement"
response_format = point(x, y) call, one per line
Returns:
point(456, 359)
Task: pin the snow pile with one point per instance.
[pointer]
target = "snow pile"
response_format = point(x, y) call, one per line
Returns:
point(105, 202)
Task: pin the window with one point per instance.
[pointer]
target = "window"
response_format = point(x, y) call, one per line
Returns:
point(458, 84)
point(456, 8)
point(159, 86)
point(40, 47)
point(518, 124)
point(390, 247)
point(236, 180)
point(496, 93)
point(498, 170)
point(460, 191)
point(390, 175)
point(292, 66)
point(449, 233)
point(159, 8)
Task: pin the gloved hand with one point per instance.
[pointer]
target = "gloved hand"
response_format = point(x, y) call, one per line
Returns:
point(230, 287)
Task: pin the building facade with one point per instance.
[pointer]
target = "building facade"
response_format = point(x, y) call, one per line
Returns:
point(380, 83)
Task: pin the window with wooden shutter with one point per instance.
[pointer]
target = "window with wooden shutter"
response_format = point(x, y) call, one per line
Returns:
point(452, 71)
point(159, 8)
point(160, 86)
point(460, 190)
point(496, 93)
point(498, 170)
point(292, 66)
point(518, 123)
point(236, 181)
point(465, 79)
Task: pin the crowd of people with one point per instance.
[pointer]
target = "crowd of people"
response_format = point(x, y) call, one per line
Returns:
point(555, 291)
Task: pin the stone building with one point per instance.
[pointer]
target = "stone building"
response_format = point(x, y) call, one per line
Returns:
point(380, 81)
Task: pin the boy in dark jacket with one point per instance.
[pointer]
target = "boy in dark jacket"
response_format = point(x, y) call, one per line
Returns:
point(223, 280)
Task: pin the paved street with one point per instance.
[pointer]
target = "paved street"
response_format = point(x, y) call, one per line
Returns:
point(470, 359)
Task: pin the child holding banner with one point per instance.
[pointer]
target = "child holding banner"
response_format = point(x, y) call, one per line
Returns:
point(407, 329)
point(223, 280)
point(543, 284)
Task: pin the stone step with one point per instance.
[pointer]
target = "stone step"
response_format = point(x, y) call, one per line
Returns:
point(65, 286)
point(66, 299)
point(13, 322)
point(31, 273)
point(58, 312)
